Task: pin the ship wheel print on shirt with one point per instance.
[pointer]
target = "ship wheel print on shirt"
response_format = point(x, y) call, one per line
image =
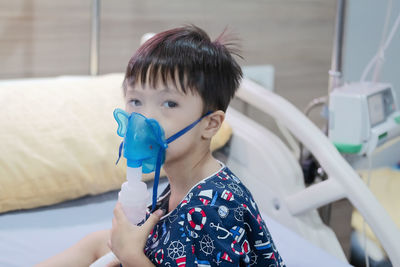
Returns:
point(236, 189)
point(176, 251)
point(207, 245)
point(238, 213)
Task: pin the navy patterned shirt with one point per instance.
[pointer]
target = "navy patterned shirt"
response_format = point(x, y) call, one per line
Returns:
point(216, 224)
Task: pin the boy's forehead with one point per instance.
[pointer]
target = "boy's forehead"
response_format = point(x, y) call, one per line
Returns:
point(163, 89)
point(168, 88)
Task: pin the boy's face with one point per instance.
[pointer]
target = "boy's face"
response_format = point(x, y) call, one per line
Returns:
point(173, 110)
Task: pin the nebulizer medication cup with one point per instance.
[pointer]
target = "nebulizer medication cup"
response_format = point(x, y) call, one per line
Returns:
point(134, 196)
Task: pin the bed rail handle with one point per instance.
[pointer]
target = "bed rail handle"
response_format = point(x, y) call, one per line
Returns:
point(314, 196)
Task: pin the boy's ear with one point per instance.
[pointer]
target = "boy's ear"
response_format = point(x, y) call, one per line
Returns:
point(213, 123)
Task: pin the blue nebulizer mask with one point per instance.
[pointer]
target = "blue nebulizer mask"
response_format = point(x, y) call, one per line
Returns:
point(144, 143)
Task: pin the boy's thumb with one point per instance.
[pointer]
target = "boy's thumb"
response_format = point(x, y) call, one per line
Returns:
point(152, 220)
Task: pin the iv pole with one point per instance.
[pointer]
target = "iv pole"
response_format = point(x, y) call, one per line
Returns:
point(94, 38)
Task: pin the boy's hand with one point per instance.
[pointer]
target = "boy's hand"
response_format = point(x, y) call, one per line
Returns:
point(127, 241)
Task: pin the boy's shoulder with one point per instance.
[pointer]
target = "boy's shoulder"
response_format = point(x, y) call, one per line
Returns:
point(220, 192)
point(223, 183)
point(221, 202)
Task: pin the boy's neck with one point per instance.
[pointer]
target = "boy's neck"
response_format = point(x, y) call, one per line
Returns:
point(184, 174)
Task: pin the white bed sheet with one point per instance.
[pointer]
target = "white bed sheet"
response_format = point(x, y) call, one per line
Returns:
point(28, 237)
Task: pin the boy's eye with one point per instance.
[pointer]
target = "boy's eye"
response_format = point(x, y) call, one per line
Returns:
point(170, 104)
point(135, 102)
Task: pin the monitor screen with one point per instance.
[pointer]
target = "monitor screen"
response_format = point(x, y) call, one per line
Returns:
point(376, 109)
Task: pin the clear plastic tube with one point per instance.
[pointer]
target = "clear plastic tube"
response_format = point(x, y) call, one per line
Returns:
point(381, 51)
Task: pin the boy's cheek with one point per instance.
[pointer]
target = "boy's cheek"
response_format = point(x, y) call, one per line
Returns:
point(170, 154)
point(170, 127)
point(177, 148)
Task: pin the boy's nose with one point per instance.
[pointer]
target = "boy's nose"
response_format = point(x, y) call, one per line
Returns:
point(149, 113)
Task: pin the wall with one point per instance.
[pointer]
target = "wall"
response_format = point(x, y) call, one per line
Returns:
point(51, 37)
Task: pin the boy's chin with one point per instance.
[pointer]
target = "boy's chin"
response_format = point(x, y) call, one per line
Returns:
point(171, 159)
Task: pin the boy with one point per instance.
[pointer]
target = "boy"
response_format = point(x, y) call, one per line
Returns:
point(177, 77)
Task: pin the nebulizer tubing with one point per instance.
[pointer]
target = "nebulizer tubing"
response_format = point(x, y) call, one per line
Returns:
point(381, 51)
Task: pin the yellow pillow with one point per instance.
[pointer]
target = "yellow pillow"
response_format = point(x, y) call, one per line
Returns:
point(58, 139)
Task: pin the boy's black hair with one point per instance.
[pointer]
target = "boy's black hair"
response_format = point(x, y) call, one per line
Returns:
point(187, 57)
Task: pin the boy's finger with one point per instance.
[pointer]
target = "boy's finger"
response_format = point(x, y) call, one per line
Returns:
point(119, 213)
point(114, 223)
point(152, 220)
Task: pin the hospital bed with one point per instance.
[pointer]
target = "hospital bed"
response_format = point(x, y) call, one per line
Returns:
point(267, 166)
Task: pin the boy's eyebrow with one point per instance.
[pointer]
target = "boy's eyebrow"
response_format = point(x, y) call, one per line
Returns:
point(164, 90)
point(132, 90)
point(171, 91)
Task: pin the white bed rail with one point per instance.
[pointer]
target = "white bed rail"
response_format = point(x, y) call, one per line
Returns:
point(315, 196)
point(342, 182)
